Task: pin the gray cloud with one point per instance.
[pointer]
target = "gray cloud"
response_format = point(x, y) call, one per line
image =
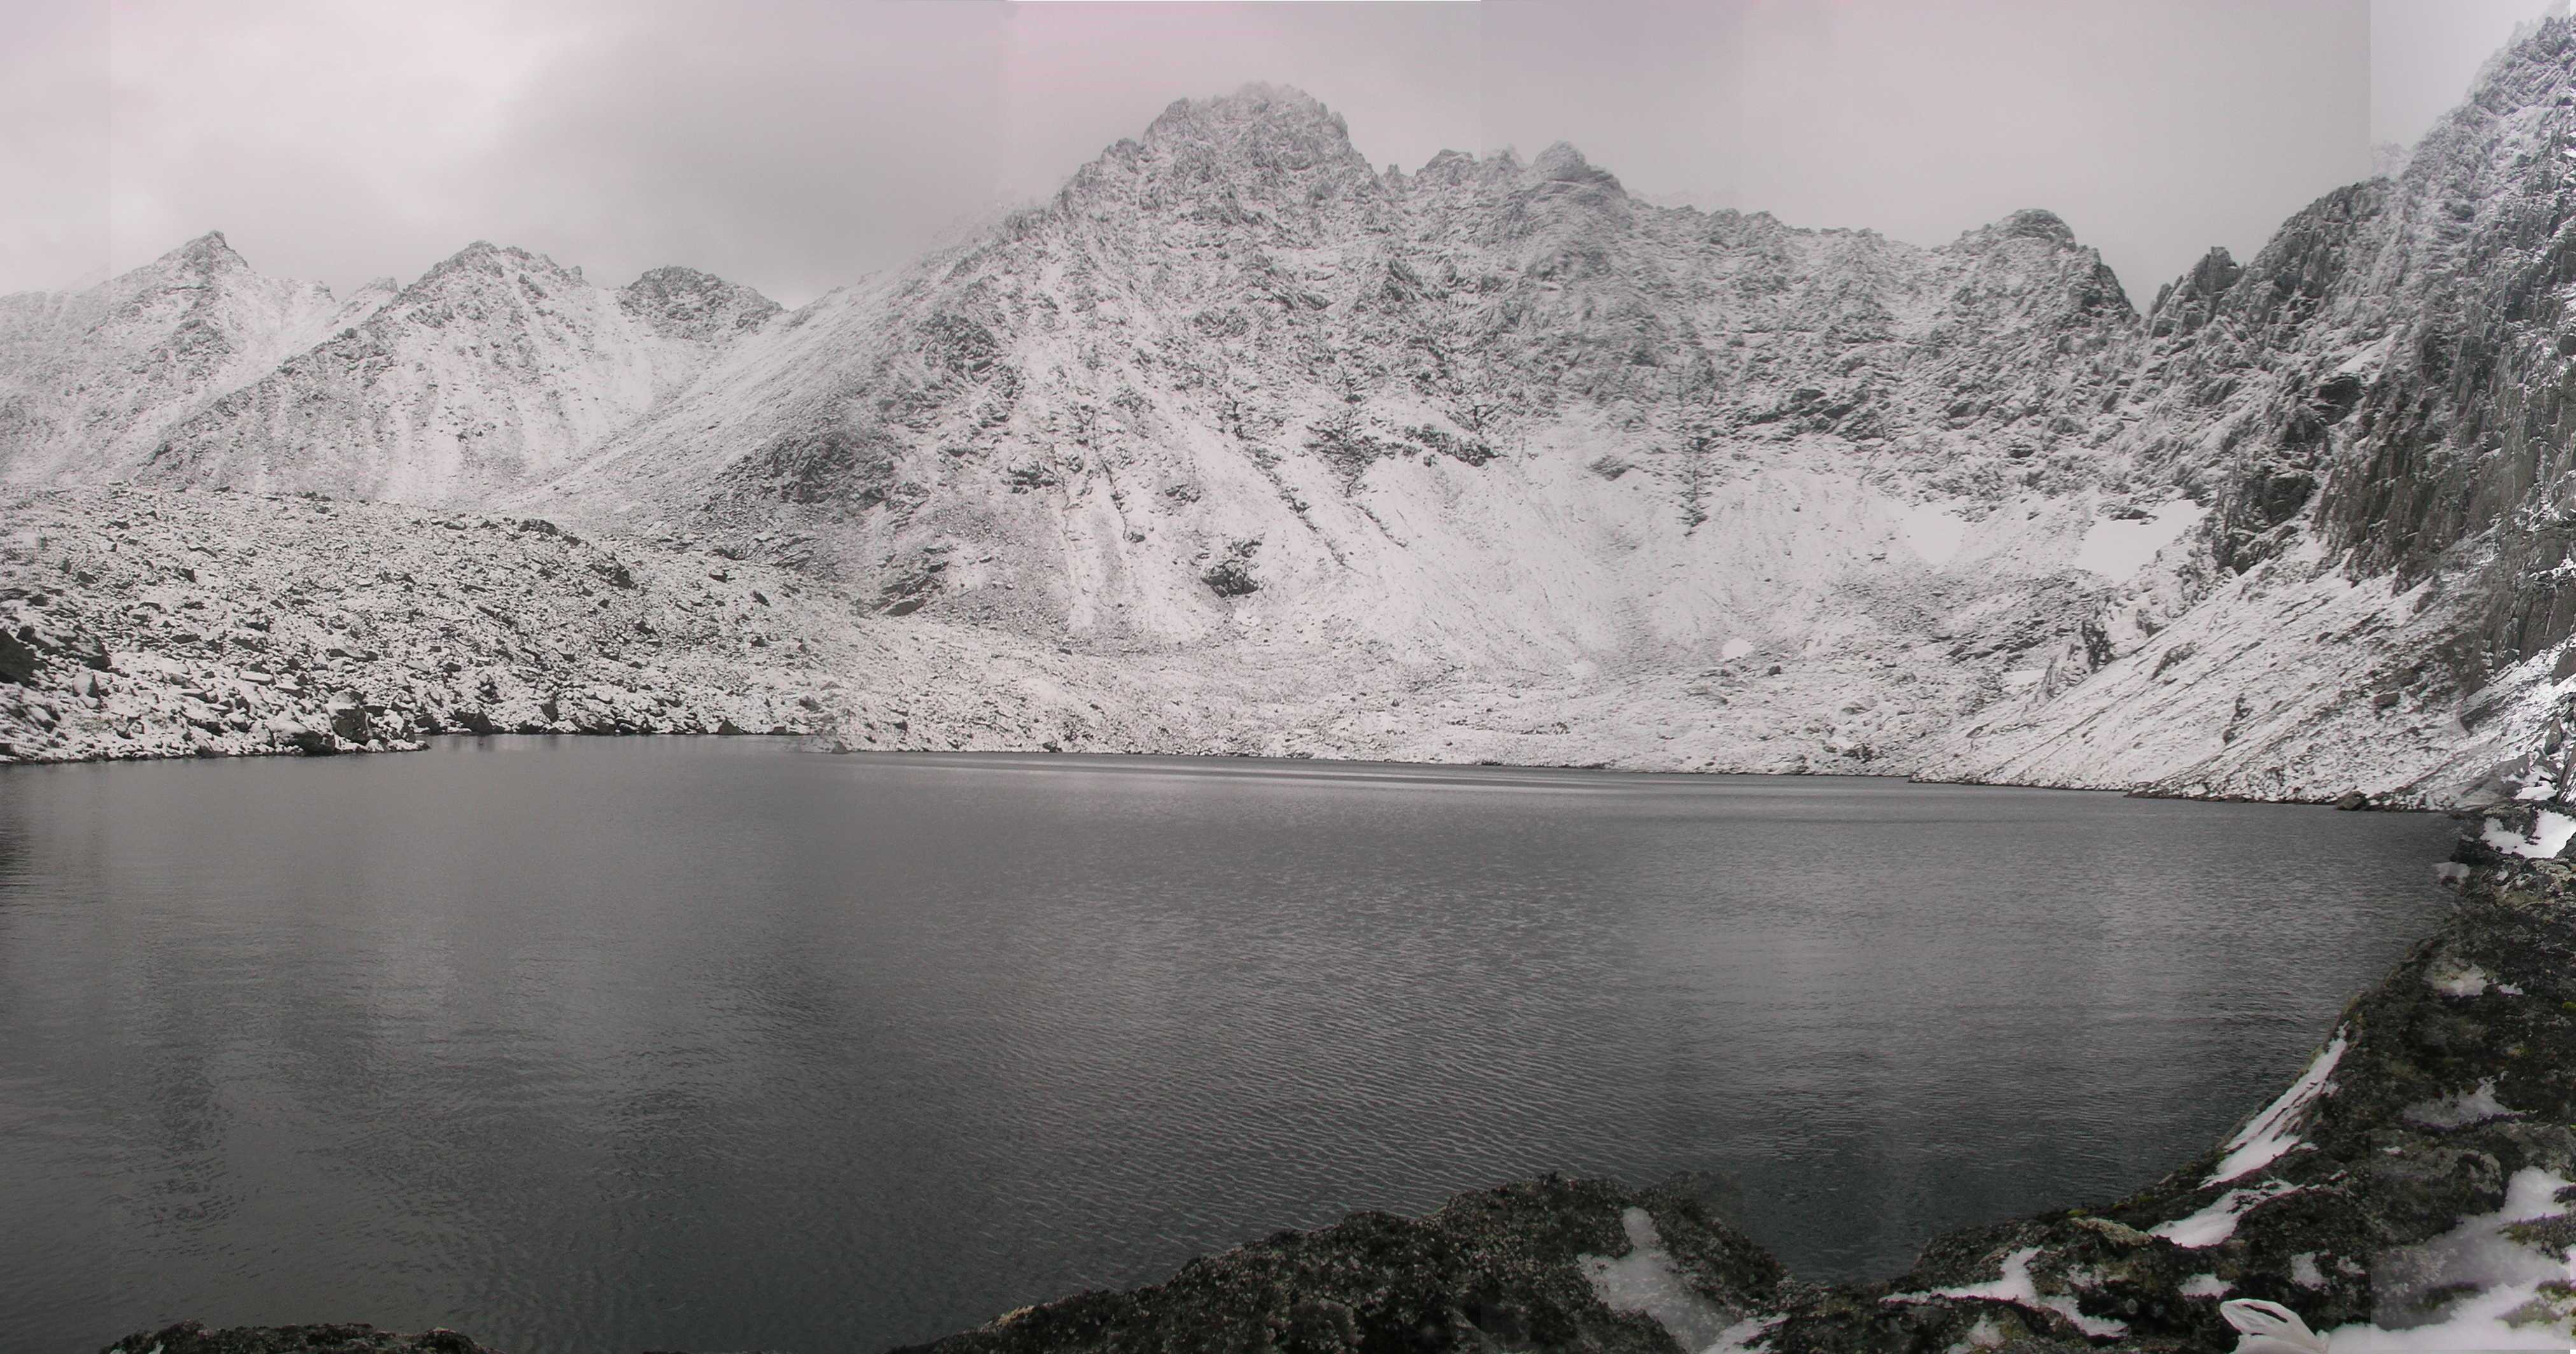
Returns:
point(798, 144)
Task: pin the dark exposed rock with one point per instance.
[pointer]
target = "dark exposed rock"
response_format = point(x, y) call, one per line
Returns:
point(1231, 576)
point(1506, 1268)
point(189, 1337)
point(18, 661)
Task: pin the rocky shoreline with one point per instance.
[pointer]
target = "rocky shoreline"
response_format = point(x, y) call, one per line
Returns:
point(2415, 1188)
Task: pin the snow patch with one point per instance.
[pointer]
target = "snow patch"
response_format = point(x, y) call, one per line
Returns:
point(2549, 836)
point(2503, 1306)
point(2118, 548)
point(2468, 1107)
point(1735, 649)
point(1748, 1335)
point(2016, 1287)
point(2304, 1271)
point(1645, 1281)
point(2204, 1286)
point(2452, 978)
point(2269, 1136)
point(2216, 1223)
point(1932, 532)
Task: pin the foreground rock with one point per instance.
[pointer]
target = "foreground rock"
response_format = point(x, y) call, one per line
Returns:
point(189, 1337)
point(1547, 1264)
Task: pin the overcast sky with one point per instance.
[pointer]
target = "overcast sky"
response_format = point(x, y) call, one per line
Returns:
point(799, 144)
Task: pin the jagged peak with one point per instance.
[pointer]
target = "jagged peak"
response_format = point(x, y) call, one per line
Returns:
point(206, 254)
point(1562, 163)
point(1261, 110)
point(699, 304)
point(485, 258)
point(2036, 223)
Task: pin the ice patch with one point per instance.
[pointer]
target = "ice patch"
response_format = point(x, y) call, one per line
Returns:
point(2216, 1223)
point(2117, 549)
point(2270, 1135)
point(1645, 1281)
point(2204, 1286)
point(2549, 836)
point(2468, 1107)
point(2015, 1286)
point(1932, 532)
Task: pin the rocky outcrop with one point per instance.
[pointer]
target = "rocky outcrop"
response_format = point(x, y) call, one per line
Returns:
point(190, 1337)
point(1545, 1264)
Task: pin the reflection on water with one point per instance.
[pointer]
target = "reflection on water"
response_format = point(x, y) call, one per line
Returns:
point(584, 1045)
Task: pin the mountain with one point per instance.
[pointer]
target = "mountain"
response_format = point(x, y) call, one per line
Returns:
point(2381, 398)
point(497, 367)
point(1234, 388)
point(89, 380)
point(1578, 477)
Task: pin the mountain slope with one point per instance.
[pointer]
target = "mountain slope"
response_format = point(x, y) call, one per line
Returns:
point(89, 380)
point(496, 367)
point(2385, 388)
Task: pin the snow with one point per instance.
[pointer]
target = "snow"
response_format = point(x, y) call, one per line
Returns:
point(1933, 531)
point(2549, 835)
point(2503, 1308)
point(2271, 1134)
point(2016, 1286)
point(2304, 1270)
point(1535, 531)
point(2118, 548)
point(2475, 1105)
point(2204, 1286)
point(1744, 1336)
point(1646, 1281)
point(2453, 977)
point(2217, 1222)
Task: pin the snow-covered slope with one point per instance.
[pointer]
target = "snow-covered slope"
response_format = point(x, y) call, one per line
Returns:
point(1233, 388)
point(2376, 409)
point(90, 380)
point(495, 368)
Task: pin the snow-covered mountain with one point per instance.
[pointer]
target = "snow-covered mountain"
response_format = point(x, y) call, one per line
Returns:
point(2378, 406)
point(90, 380)
point(1594, 478)
point(497, 368)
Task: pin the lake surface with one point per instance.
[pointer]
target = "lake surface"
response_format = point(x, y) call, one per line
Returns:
point(594, 1045)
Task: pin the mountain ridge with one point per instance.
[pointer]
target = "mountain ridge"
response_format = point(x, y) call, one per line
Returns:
point(1850, 503)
